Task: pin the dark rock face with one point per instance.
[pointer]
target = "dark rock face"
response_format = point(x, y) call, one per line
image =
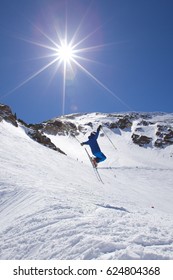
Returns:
point(7, 115)
point(165, 136)
point(145, 123)
point(44, 140)
point(141, 140)
point(122, 123)
point(58, 127)
point(34, 131)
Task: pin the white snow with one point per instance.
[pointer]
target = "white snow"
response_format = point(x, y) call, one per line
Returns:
point(53, 207)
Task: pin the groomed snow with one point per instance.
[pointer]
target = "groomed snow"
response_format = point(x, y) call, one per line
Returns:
point(53, 207)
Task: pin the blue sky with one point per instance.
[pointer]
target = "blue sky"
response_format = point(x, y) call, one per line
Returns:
point(125, 63)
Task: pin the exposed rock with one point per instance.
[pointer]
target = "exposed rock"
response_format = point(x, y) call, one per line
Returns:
point(89, 124)
point(122, 123)
point(58, 127)
point(159, 143)
point(33, 131)
point(6, 114)
point(44, 140)
point(165, 134)
point(145, 123)
point(36, 126)
point(141, 140)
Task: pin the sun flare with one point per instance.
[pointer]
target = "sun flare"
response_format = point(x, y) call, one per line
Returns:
point(65, 53)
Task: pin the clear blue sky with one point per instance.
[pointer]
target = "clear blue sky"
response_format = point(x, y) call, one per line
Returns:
point(127, 64)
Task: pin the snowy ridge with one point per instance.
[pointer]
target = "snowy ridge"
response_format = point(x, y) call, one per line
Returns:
point(53, 207)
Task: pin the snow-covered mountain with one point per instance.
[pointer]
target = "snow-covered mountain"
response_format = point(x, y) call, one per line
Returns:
point(53, 207)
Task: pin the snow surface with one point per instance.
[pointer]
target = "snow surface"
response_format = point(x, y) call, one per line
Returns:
point(53, 207)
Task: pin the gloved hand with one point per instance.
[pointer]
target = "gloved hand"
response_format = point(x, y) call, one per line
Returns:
point(100, 126)
point(81, 144)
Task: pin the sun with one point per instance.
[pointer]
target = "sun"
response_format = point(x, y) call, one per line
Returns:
point(65, 53)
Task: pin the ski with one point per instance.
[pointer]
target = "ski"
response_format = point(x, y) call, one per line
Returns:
point(95, 168)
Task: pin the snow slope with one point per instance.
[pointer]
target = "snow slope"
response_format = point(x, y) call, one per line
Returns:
point(53, 207)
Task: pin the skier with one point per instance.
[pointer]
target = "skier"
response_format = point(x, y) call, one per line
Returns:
point(92, 142)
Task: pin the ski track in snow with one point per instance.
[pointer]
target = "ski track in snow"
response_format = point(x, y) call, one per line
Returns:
point(53, 207)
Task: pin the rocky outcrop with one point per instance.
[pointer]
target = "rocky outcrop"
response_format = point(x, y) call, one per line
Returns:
point(7, 115)
point(141, 140)
point(122, 123)
point(34, 131)
point(59, 127)
point(164, 135)
point(145, 123)
point(44, 140)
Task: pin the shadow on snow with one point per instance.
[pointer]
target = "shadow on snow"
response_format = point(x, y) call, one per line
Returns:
point(113, 207)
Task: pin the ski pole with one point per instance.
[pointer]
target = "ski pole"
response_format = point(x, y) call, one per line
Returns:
point(109, 139)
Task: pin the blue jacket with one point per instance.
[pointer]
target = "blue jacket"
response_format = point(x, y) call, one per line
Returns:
point(92, 142)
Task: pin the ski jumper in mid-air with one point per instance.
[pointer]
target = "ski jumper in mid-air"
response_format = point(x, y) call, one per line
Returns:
point(95, 149)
